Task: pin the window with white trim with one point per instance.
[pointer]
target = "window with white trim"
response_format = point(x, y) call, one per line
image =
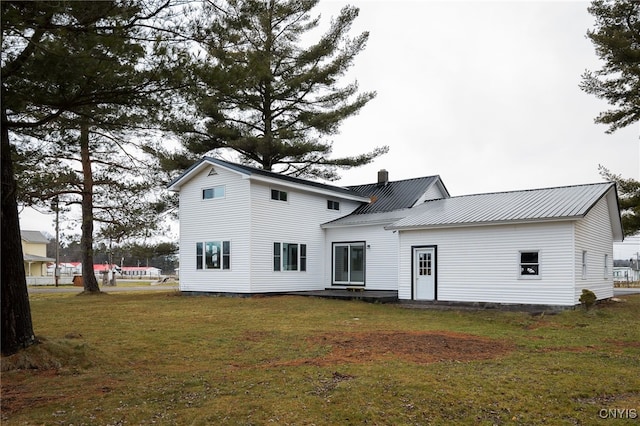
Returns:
point(606, 266)
point(213, 255)
point(529, 264)
point(349, 263)
point(215, 192)
point(278, 195)
point(289, 257)
point(584, 264)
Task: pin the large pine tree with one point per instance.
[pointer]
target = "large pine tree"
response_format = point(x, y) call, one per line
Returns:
point(617, 42)
point(62, 62)
point(261, 93)
point(629, 199)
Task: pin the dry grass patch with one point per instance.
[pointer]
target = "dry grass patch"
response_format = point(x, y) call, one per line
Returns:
point(69, 353)
point(416, 347)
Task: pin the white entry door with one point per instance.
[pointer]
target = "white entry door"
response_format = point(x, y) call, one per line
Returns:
point(425, 273)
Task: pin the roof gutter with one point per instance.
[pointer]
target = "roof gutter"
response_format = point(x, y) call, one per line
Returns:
point(474, 224)
point(330, 225)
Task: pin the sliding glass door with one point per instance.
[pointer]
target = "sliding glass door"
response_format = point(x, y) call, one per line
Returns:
point(348, 263)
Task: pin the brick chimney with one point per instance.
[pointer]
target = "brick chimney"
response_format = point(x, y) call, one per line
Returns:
point(383, 177)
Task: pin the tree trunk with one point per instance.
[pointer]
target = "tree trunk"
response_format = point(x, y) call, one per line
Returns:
point(17, 328)
point(86, 240)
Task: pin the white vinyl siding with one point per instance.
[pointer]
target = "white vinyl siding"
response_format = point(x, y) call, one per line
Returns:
point(381, 254)
point(296, 221)
point(251, 222)
point(594, 236)
point(433, 193)
point(481, 263)
point(221, 219)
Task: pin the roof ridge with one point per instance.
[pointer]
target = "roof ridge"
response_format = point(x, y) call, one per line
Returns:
point(281, 176)
point(526, 190)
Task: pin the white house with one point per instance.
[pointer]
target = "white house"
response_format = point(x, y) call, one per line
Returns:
point(66, 268)
point(245, 230)
point(626, 270)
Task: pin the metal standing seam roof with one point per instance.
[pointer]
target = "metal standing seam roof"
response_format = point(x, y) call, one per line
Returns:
point(392, 196)
point(527, 205)
point(383, 218)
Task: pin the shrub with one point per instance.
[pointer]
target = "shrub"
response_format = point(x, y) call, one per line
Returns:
point(587, 298)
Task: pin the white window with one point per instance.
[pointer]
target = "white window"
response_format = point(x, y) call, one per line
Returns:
point(215, 192)
point(333, 205)
point(529, 264)
point(289, 257)
point(584, 264)
point(606, 266)
point(349, 263)
point(213, 255)
point(278, 195)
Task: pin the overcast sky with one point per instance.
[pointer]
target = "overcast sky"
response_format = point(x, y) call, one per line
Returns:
point(485, 94)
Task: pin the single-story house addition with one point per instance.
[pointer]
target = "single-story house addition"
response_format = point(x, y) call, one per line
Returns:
point(245, 230)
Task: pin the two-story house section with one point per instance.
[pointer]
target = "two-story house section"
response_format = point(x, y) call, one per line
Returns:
point(34, 252)
point(246, 230)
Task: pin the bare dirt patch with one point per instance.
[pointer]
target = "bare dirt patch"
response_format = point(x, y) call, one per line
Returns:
point(623, 344)
point(418, 347)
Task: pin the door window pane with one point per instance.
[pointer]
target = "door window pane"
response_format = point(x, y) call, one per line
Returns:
point(357, 263)
point(424, 264)
point(341, 265)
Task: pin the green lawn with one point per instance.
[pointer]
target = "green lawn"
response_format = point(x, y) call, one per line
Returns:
point(159, 358)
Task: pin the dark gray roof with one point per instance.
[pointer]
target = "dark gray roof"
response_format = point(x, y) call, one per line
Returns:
point(248, 170)
point(517, 206)
point(33, 236)
point(623, 263)
point(380, 218)
point(397, 195)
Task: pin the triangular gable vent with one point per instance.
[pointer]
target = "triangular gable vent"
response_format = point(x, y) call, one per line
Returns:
point(212, 172)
